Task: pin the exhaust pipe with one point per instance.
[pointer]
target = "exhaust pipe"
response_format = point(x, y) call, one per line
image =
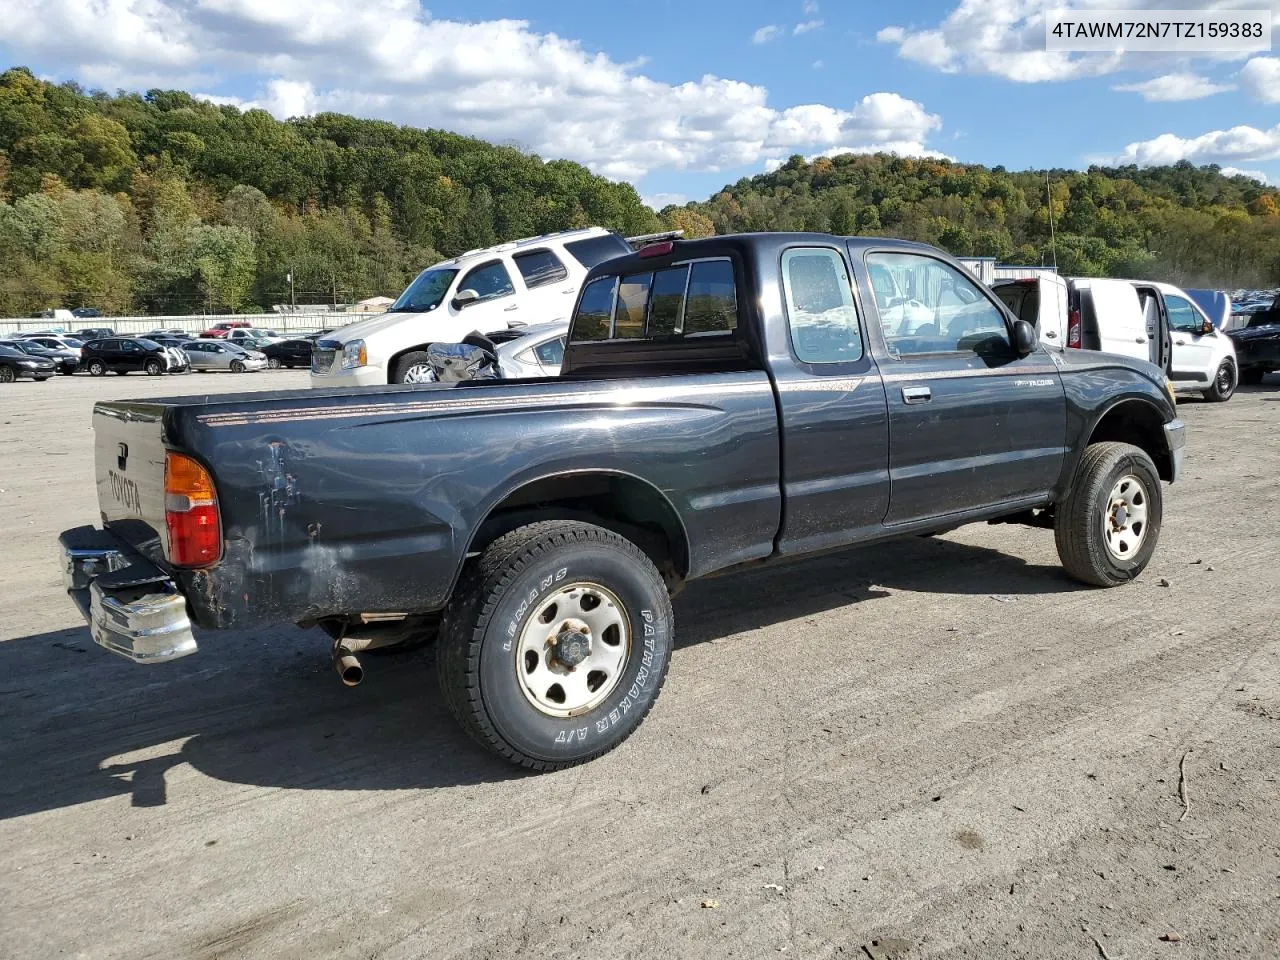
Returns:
point(348, 666)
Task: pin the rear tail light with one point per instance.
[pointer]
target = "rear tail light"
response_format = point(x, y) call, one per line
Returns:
point(656, 250)
point(1073, 327)
point(190, 513)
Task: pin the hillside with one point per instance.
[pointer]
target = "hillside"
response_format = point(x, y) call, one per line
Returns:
point(1193, 226)
point(168, 204)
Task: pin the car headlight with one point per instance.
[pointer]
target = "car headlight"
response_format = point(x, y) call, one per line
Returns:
point(354, 355)
point(28, 363)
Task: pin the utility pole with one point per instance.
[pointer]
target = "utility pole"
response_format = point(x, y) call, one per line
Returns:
point(1053, 246)
point(293, 301)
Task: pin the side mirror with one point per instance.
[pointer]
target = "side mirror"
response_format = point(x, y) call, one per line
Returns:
point(465, 298)
point(1206, 327)
point(1024, 337)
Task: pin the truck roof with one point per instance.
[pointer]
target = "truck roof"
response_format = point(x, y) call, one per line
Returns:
point(560, 236)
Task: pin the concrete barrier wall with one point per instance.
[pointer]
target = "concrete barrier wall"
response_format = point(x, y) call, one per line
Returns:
point(280, 322)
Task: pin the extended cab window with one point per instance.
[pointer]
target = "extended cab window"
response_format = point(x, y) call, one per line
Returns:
point(539, 267)
point(666, 303)
point(820, 311)
point(712, 303)
point(489, 280)
point(927, 306)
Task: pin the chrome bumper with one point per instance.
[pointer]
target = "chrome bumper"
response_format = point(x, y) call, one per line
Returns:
point(1175, 435)
point(132, 608)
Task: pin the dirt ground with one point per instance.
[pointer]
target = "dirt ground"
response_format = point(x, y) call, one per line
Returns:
point(940, 747)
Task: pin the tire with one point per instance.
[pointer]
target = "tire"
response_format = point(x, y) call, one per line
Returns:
point(552, 569)
point(1090, 546)
point(237, 366)
point(414, 363)
point(1252, 376)
point(97, 368)
point(273, 363)
point(1224, 383)
point(153, 368)
point(7, 375)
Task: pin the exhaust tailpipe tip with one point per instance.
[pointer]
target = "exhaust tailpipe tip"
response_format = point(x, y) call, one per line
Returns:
point(349, 669)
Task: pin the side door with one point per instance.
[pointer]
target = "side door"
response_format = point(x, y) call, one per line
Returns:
point(1124, 326)
point(498, 304)
point(132, 355)
point(1194, 351)
point(110, 354)
point(550, 289)
point(831, 402)
point(971, 424)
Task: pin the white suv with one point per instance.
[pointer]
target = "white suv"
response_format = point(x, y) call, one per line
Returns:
point(511, 285)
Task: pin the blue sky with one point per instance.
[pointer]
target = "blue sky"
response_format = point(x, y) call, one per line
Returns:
point(683, 97)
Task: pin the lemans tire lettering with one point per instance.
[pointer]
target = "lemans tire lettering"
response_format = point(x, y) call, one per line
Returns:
point(513, 627)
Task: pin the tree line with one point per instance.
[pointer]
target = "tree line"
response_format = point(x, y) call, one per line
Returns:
point(165, 203)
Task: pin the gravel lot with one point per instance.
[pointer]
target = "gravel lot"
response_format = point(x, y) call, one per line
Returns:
point(939, 747)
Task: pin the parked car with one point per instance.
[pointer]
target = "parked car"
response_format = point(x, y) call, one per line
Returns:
point(533, 351)
point(86, 313)
point(62, 316)
point(15, 364)
point(172, 341)
point(725, 402)
point(220, 330)
point(254, 334)
point(288, 353)
point(168, 332)
point(1136, 318)
point(66, 361)
point(1257, 344)
point(213, 355)
point(52, 342)
point(522, 282)
point(124, 355)
point(94, 333)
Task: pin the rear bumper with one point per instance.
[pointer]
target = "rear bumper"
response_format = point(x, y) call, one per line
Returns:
point(1175, 435)
point(132, 607)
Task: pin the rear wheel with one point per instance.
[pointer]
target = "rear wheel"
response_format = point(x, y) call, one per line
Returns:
point(1224, 383)
point(273, 363)
point(556, 644)
point(237, 366)
point(97, 368)
point(1252, 376)
point(7, 375)
point(413, 367)
point(1107, 528)
point(153, 368)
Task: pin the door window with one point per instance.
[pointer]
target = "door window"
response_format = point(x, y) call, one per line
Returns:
point(820, 311)
point(128, 346)
point(539, 267)
point(551, 353)
point(489, 280)
point(1183, 317)
point(927, 306)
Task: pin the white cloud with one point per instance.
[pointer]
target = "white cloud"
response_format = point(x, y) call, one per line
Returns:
point(656, 201)
point(1251, 174)
point(807, 27)
point(765, 34)
point(810, 6)
point(818, 64)
point(1243, 144)
point(1006, 39)
point(1175, 86)
point(497, 79)
point(1260, 78)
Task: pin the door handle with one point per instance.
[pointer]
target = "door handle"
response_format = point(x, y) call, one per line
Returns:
point(1140, 340)
point(514, 306)
point(1051, 334)
point(916, 394)
point(568, 290)
point(1181, 343)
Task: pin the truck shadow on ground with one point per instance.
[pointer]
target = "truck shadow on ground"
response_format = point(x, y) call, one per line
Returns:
point(266, 709)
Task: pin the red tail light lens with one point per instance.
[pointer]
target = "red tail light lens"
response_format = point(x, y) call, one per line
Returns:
point(656, 250)
point(1073, 328)
point(190, 513)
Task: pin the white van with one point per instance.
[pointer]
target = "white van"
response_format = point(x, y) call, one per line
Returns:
point(1143, 319)
point(514, 284)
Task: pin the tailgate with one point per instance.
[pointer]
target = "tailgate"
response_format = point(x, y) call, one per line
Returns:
point(128, 454)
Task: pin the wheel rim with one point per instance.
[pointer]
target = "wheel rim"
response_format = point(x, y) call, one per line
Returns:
point(1226, 378)
point(6, 375)
point(419, 373)
point(97, 369)
point(153, 368)
point(273, 363)
point(237, 367)
point(1125, 522)
point(573, 650)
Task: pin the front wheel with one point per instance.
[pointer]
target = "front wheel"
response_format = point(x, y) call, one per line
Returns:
point(413, 367)
point(1224, 383)
point(237, 366)
point(1107, 528)
point(7, 375)
point(273, 363)
point(556, 644)
point(153, 368)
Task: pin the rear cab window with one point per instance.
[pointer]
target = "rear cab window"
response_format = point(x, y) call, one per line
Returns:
point(686, 300)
